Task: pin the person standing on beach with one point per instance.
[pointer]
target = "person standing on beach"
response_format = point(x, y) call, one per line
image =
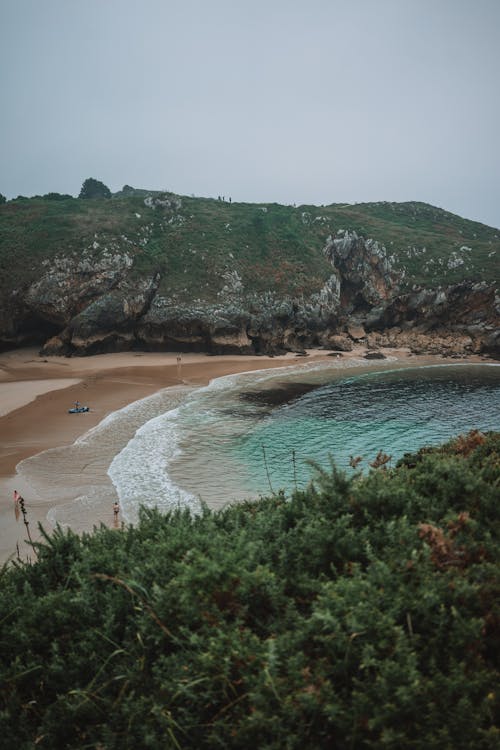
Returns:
point(116, 510)
point(17, 497)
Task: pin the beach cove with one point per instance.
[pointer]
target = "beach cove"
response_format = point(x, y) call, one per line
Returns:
point(36, 393)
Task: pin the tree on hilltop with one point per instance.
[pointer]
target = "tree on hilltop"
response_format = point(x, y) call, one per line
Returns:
point(94, 189)
point(3, 199)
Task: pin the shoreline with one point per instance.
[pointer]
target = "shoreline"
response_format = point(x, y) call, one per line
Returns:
point(35, 395)
point(37, 419)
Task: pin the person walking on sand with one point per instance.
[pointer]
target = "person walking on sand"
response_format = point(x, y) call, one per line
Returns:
point(116, 510)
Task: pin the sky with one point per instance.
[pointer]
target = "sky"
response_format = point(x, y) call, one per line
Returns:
point(288, 101)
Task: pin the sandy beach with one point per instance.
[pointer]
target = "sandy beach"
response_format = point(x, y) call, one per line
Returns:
point(36, 393)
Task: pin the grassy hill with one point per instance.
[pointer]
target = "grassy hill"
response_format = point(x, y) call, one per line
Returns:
point(195, 242)
point(361, 613)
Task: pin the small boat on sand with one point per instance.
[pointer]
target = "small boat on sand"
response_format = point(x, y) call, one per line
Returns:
point(77, 409)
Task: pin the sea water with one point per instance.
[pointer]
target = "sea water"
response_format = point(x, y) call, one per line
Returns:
point(257, 433)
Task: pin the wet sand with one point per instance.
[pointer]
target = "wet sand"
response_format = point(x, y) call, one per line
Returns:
point(35, 395)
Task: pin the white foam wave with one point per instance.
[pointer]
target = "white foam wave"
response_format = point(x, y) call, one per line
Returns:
point(139, 410)
point(140, 471)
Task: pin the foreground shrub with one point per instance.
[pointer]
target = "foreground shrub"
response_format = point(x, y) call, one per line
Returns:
point(361, 613)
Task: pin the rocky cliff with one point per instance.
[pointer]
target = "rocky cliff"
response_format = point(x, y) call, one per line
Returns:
point(167, 273)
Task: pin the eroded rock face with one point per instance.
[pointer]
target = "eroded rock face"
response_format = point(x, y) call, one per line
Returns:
point(71, 283)
point(442, 342)
point(462, 305)
point(96, 303)
point(107, 322)
point(339, 342)
point(364, 270)
point(253, 328)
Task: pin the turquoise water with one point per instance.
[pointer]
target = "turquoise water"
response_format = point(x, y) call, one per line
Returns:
point(396, 412)
point(247, 435)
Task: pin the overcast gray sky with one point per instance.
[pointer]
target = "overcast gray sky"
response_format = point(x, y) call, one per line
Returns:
point(322, 101)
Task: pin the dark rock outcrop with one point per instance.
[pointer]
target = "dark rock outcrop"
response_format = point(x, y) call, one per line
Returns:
point(339, 342)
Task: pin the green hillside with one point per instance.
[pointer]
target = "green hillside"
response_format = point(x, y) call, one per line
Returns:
point(361, 613)
point(195, 242)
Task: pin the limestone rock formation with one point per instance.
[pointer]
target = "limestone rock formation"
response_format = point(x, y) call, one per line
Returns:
point(364, 269)
point(339, 342)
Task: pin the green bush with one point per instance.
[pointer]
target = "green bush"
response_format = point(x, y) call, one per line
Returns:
point(361, 613)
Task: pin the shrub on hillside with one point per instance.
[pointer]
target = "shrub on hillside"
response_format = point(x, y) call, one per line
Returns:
point(361, 613)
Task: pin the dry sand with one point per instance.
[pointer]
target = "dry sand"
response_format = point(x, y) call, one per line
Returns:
point(35, 395)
